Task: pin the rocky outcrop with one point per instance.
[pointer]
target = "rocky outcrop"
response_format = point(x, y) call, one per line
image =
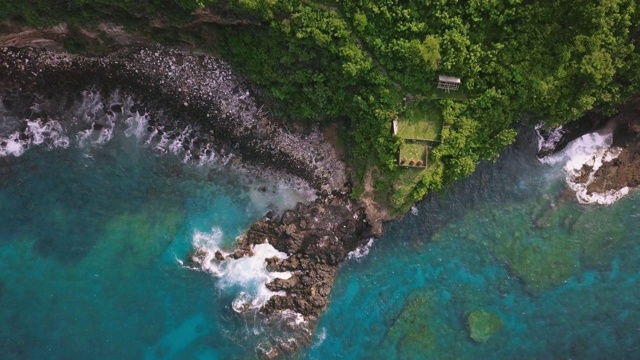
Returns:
point(624, 170)
point(203, 93)
point(317, 237)
point(557, 139)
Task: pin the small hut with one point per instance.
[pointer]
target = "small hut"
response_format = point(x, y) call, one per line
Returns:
point(448, 83)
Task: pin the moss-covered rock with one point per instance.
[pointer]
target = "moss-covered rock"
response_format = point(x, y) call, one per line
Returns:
point(482, 325)
point(411, 332)
point(541, 263)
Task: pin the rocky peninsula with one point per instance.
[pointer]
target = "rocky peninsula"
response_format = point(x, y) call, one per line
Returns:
point(203, 93)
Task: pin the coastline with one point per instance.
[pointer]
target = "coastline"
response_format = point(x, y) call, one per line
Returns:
point(224, 117)
point(610, 167)
point(313, 254)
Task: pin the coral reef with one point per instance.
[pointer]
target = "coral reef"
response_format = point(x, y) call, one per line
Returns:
point(482, 325)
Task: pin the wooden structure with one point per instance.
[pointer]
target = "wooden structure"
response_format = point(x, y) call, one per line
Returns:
point(448, 83)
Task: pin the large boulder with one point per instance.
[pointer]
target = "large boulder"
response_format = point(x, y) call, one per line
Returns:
point(482, 325)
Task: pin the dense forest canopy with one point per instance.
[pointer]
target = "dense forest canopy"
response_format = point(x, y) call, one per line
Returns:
point(354, 61)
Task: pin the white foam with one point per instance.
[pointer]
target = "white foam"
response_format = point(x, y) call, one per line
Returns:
point(37, 132)
point(362, 251)
point(104, 136)
point(208, 244)
point(552, 139)
point(322, 336)
point(251, 274)
point(175, 145)
point(292, 318)
point(137, 126)
point(92, 137)
point(12, 145)
point(414, 210)
point(248, 274)
point(83, 137)
point(91, 105)
point(590, 150)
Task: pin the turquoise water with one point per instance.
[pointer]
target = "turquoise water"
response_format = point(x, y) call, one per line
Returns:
point(91, 242)
point(563, 278)
point(93, 235)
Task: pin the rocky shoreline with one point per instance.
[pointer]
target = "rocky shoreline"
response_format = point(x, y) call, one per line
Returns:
point(199, 91)
point(614, 175)
point(203, 93)
point(624, 170)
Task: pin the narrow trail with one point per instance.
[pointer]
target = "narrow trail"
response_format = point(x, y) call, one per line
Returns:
point(374, 212)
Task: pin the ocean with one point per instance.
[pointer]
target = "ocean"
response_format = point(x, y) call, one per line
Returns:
point(98, 223)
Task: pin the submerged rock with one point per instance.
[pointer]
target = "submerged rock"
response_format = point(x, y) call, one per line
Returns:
point(482, 325)
point(411, 332)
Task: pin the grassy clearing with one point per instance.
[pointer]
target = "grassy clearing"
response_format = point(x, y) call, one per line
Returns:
point(421, 120)
point(413, 151)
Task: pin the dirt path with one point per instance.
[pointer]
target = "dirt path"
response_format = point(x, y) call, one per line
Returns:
point(376, 214)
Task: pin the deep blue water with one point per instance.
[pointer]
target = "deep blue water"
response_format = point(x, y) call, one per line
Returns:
point(92, 236)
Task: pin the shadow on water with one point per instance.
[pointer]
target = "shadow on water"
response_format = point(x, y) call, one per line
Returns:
point(507, 180)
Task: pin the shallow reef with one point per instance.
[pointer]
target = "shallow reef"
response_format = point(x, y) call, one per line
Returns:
point(482, 325)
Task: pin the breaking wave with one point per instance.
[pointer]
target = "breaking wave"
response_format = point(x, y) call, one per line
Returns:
point(582, 158)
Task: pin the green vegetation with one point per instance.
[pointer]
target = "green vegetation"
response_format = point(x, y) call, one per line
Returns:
point(414, 152)
point(420, 121)
point(353, 61)
point(482, 325)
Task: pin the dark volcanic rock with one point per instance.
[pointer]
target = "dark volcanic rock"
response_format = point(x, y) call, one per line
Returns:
point(317, 237)
point(201, 92)
point(624, 170)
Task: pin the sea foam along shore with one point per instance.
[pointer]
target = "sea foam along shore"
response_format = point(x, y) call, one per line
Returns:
point(203, 93)
point(200, 91)
point(584, 156)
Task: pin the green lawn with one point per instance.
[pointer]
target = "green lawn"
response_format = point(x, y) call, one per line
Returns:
point(421, 120)
point(416, 151)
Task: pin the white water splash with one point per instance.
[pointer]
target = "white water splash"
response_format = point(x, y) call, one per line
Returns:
point(553, 137)
point(292, 318)
point(361, 251)
point(92, 123)
point(12, 145)
point(137, 126)
point(248, 274)
point(322, 336)
point(590, 150)
point(36, 132)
